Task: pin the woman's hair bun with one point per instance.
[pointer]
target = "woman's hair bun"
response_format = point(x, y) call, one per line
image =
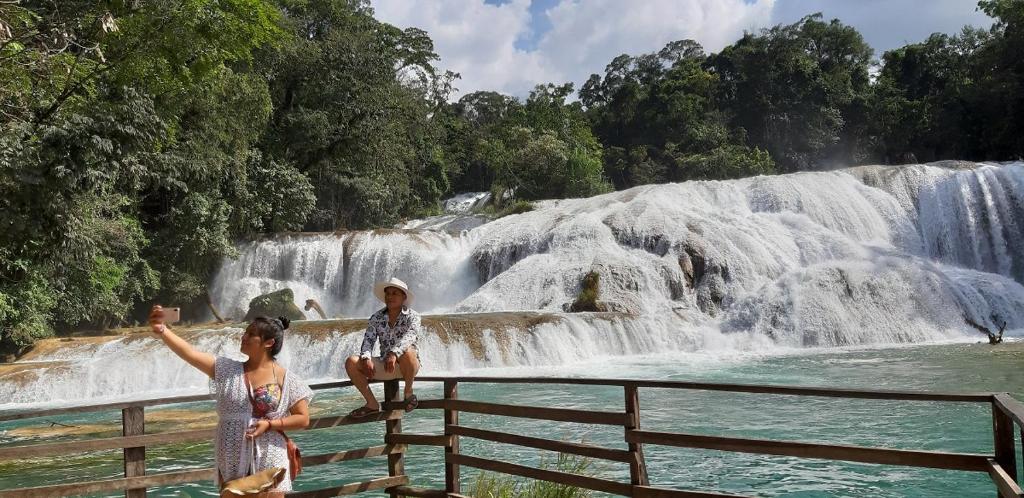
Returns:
point(284, 322)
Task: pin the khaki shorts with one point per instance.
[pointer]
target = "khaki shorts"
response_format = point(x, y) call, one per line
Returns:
point(380, 374)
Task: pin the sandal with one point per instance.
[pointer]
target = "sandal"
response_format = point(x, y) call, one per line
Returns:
point(362, 411)
point(411, 403)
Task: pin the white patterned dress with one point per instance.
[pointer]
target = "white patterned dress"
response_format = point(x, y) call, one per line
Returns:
point(234, 411)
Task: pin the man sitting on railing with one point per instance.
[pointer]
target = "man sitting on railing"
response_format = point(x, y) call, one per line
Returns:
point(397, 327)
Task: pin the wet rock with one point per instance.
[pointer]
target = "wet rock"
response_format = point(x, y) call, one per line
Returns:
point(274, 304)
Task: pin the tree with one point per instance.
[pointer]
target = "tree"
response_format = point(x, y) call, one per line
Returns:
point(798, 91)
point(353, 100)
point(653, 110)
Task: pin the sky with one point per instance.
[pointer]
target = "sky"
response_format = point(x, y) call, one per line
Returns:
point(511, 45)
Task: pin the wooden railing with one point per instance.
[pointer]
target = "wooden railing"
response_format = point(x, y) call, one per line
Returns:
point(1007, 413)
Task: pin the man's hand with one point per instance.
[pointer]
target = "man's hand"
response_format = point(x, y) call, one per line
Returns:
point(366, 365)
point(389, 362)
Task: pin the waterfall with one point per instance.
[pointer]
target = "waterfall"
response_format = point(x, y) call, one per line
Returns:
point(864, 255)
point(710, 248)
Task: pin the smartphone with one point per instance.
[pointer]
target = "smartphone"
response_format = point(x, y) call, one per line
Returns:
point(172, 315)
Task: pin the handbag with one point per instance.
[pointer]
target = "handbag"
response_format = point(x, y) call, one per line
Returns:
point(256, 484)
point(294, 456)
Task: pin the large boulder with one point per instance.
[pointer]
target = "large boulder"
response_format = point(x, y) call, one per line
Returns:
point(275, 304)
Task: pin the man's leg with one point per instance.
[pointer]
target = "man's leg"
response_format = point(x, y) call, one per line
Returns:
point(358, 378)
point(409, 364)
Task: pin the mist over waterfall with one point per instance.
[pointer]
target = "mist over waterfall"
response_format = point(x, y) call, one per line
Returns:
point(860, 256)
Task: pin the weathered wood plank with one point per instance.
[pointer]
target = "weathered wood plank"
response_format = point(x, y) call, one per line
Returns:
point(1007, 487)
point(652, 492)
point(977, 397)
point(418, 492)
point(112, 443)
point(594, 483)
point(353, 488)
point(1010, 406)
point(431, 404)
point(155, 480)
point(913, 458)
point(393, 427)
point(339, 420)
point(1003, 440)
point(637, 465)
point(356, 454)
point(133, 423)
point(118, 405)
point(536, 412)
point(452, 484)
point(418, 439)
point(542, 444)
point(109, 485)
point(973, 397)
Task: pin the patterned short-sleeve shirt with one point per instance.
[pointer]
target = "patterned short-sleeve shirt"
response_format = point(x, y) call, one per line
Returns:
point(394, 339)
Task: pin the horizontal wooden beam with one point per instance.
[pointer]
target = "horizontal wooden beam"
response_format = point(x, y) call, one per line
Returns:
point(356, 454)
point(353, 488)
point(1011, 407)
point(108, 485)
point(82, 446)
point(338, 420)
point(594, 483)
point(542, 444)
point(63, 448)
point(120, 405)
point(976, 397)
point(155, 480)
point(430, 404)
point(652, 492)
point(1007, 487)
point(832, 392)
point(884, 456)
point(116, 406)
point(418, 439)
point(536, 412)
point(418, 492)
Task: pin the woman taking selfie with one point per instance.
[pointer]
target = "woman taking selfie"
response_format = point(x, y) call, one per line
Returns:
point(257, 400)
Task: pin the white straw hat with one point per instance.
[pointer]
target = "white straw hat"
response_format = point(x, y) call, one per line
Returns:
point(378, 289)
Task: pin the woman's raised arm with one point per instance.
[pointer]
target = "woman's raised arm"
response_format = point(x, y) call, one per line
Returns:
point(199, 359)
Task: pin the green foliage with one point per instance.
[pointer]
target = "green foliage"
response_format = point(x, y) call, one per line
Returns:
point(491, 485)
point(139, 141)
point(722, 163)
point(124, 144)
point(590, 291)
point(517, 207)
point(795, 91)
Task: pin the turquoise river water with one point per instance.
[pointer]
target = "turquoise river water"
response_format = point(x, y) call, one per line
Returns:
point(960, 427)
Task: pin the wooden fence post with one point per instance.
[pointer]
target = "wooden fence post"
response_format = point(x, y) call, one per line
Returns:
point(451, 417)
point(396, 462)
point(1003, 441)
point(637, 465)
point(133, 423)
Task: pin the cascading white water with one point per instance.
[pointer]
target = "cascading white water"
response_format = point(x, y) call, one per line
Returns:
point(699, 246)
point(338, 270)
point(865, 255)
point(138, 366)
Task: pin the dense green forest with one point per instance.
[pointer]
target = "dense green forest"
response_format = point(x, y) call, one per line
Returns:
point(140, 139)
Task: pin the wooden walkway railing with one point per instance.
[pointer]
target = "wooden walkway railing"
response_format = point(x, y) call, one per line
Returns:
point(1001, 466)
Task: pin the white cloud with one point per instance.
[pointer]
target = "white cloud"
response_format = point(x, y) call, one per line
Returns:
point(478, 40)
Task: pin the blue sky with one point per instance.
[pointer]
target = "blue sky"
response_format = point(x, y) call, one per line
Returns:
point(512, 45)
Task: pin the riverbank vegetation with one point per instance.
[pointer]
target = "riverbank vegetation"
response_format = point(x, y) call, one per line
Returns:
point(140, 140)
